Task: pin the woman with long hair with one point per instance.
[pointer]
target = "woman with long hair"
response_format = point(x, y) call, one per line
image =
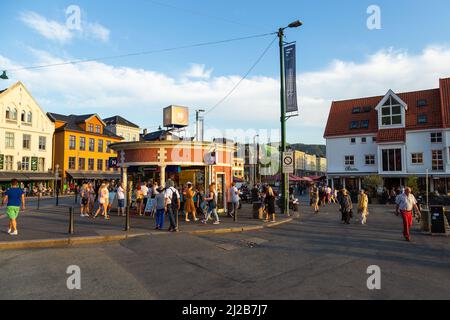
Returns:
point(270, 204)
point(211, 201)
point(189, 205)
point(84, 194)
point(103, 200)
point(315, 199)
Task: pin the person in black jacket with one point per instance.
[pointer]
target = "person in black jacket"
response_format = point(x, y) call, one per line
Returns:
point(270, 204)
point(347, 207)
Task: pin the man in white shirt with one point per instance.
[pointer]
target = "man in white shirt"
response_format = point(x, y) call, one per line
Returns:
point(406, 202)
point(171, 205)
point(144, 190)
point(120, 200)
point(234, 194)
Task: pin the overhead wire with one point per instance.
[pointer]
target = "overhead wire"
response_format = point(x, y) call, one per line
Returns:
point(242, 78)
point(202, 44)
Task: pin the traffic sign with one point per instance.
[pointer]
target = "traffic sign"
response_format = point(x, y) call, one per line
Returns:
point(288, 162)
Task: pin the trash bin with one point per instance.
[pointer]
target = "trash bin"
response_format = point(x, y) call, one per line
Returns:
point(439, 224)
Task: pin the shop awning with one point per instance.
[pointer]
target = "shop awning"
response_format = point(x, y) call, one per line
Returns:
point(292, 178)
point(26, 176)
point(78, 175)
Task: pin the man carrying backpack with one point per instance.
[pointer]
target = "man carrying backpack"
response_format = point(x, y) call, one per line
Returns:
point(172, 205)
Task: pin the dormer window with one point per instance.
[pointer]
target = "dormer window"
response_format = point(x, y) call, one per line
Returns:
point(91, 127)
point(22, 116)
point(367, 109)
point(422, 119)
point(391, 113)
point(354, 125)
point(422, 103)
point(364, 124)
point(29, 117)
point(356, 110)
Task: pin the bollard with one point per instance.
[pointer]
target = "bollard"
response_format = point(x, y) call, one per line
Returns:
point(71, 220)
point(57, 197)
point(76, 195)
point(127, 219)
point(39, 200)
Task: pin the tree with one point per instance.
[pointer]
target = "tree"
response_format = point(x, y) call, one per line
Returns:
point(372, 184)
point(412, 183)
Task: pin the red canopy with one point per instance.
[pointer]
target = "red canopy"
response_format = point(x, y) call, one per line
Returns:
point(292, 178)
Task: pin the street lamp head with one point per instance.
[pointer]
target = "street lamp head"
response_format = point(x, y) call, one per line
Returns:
point(295, 24)
point(4, 76)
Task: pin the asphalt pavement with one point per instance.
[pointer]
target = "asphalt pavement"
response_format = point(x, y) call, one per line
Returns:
point(313, 257)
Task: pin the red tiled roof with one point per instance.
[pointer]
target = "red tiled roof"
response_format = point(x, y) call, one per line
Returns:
point(391, 135)
point(341, 114)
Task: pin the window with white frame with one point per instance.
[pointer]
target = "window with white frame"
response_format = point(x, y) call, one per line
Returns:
point(9, 160)
point(349, 160)
point(72, 164)
point(437, 160)
point(417, 158)
point(392, 160)
point(391, 113)
point(26, 144)
point(42, 143)
point(25, 163)
point(370, 160)
point(436, 137)
point(9, 140)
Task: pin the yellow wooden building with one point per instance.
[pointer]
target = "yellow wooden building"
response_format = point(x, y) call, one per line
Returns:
point(81, 148)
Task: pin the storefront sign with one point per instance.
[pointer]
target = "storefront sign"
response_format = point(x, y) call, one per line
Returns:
point(34, 164)
point(350, 169)
point(113, 162)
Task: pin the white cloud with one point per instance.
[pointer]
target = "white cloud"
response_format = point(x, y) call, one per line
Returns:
point(56, 31)
point(47, 28)
point(96, 31)
point(140, 94)
point(198, 71)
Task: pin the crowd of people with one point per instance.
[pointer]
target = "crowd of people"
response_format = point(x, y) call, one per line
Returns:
point(406, 204)
point(196, 204)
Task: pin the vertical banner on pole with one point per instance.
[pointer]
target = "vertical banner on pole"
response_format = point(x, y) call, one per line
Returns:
point(290, 70)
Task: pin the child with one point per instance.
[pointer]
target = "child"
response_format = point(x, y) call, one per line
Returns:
point(15, 198)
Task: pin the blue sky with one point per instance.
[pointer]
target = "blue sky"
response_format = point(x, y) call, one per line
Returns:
point(334, 45)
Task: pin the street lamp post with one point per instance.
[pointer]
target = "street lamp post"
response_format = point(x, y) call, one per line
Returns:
point(256, 164)
point(285, 177)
